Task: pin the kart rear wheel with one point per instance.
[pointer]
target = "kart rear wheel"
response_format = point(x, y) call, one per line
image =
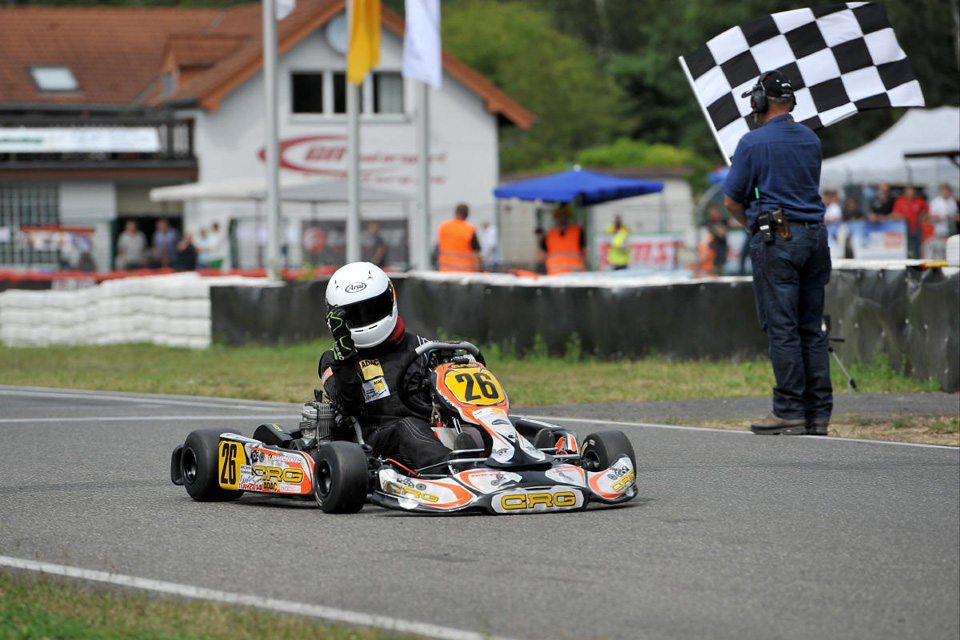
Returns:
point(600, 450)
point(340, 477)
point(199, 470)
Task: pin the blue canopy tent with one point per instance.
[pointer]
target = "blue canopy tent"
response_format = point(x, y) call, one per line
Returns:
point(581, 187)
point(577, 186)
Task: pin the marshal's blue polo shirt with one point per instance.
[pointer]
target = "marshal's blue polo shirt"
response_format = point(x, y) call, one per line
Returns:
point(782, 159)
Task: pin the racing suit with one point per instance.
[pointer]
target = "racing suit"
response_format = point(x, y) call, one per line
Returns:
point(366, 390)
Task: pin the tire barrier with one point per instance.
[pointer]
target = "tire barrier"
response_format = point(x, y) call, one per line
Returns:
point(910, 315)
point(171, 310)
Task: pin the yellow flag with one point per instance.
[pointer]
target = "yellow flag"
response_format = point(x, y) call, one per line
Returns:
point(364, 53)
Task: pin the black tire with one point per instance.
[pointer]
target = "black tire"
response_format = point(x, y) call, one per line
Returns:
point(601, 449)
point(340, 477)
point(545, 439)
point(198, 467)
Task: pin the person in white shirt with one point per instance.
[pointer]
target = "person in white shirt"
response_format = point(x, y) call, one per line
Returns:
point(216, 248)
point(833, 213)
point(944, 215)
point(490, 247)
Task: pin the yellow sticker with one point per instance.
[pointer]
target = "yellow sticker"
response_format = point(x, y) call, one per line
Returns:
point(472, 384)
point(230, 458)
point(371, 369)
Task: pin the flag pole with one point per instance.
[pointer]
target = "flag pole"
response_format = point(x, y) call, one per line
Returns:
point(353, 156)
point(422, 260)
point(706, 114)
point(271, 155)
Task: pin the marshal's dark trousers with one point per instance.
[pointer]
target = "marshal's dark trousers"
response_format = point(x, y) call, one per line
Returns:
point(788, 284)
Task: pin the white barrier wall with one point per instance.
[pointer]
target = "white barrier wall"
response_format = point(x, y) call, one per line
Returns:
point(171, 310)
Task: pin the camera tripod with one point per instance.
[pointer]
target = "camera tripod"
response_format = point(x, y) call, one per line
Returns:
point(825, 326)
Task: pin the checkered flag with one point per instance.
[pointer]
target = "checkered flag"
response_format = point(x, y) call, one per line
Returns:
point(840, 59)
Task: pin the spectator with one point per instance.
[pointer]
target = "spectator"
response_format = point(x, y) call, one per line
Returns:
point(833, 213)
point(852, 210)
point(457, 246)
point(945, 216)
point(540, 264)
point(882, 205)
point(378, 254)
point(165, 239)
point(912, 208)
point(618, 255)
point(717, 227)
point(202, 245)
point(217, 250)
point(490, 247)
point(564, 246)
point(186, 254)
point(131, 247)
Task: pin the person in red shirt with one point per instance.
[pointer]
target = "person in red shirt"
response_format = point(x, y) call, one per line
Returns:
point(914, 209)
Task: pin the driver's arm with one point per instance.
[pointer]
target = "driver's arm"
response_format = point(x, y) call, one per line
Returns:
point(340, 367)
point(341, 380)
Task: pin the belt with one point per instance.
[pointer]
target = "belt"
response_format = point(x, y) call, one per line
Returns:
point(806, 223)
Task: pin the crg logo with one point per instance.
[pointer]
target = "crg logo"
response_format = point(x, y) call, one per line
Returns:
point(538, 501)
point(354, 287)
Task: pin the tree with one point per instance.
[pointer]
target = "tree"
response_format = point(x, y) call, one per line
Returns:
point(554, 75)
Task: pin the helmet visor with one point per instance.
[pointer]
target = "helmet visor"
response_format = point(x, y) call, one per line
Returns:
point(367, 312)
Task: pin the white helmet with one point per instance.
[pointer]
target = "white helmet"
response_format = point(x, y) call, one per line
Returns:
point(365, 292)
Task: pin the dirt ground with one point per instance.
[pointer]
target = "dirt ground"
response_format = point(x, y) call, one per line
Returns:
point(941, 430)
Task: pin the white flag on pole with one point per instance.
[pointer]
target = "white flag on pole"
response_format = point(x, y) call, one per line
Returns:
point(421, 42)
point(285, 8)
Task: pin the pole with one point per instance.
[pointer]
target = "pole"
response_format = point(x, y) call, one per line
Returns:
point(353, 162)
point(706, 114)
point(271, 152)
point(422, 259)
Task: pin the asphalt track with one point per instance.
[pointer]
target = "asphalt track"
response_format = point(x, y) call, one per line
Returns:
point(733, 535)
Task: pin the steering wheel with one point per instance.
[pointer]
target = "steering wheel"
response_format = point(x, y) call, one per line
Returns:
point(413, 398)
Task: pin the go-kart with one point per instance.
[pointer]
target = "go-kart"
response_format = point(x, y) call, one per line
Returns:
point(498, 463)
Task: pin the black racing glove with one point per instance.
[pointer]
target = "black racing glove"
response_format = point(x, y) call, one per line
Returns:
point(343, 347)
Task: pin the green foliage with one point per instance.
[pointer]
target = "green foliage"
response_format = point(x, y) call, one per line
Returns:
point(552, 74)
point(573, 348)
point(539, 350)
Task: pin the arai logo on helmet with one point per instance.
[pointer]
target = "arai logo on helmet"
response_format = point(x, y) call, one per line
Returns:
point(354, 287)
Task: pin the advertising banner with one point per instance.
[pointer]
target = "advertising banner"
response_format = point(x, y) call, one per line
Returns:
point(868, 240)
point(79, 140)
point(647, 251)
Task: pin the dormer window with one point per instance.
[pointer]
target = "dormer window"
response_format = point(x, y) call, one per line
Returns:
point(54, 79)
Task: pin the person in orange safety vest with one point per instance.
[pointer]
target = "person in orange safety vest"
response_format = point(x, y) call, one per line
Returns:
point(457, 246)
point(564, 245)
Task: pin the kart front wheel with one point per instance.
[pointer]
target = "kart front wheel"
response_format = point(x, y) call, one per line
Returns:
point(340, 477)
point(199, 470)
point(600, 450)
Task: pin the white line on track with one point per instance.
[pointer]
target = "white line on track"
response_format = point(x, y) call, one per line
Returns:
point(139, 399)
point(621, 423)
point(68, 419)
point(331, 614)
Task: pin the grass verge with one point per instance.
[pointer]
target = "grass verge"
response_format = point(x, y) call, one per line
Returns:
point(46, 608)
point(288, 374)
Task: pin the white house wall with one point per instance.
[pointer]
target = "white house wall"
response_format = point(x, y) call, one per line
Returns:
point(463, 143)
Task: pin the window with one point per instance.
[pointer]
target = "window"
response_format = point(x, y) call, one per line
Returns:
point(387, 92)
point(325, 92)
point(28, 204)
point(54, 79)
point(307, 92)
point(169, 84)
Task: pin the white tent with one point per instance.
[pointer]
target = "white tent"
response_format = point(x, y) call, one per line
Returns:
point(931, 132)
point(256, 189)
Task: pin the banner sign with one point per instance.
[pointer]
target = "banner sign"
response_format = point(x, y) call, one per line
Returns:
point(647, 251)
point(79, 140)
point(868, 240)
